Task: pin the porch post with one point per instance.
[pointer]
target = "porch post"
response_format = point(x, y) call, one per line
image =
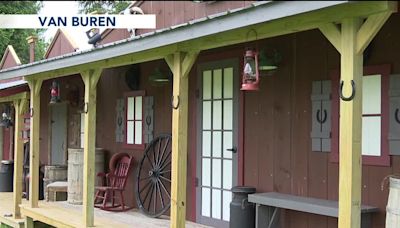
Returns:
point(180, 64)
point(90, 79)
point(34, 86)
point(19, 106)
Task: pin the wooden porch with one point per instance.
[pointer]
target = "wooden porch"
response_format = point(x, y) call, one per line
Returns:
point(6, 209)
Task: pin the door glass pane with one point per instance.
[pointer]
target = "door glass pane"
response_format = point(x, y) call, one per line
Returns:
point(227, 144)
point(217, 115)
point(207, 115)
point(227, 174)
point(206, 172)
point(228, 82)
point(216, 203)
point(371, 135)
point(129, 135)
point(228, 114)
point(130, 108)
point(206, 143)
point(217, 84)
point(217, 142)
point(216, 173)
point(138, 108)
point(226, 200)
point(371, 94)
point(205, 202)
point(138, 132)
point(207, 84)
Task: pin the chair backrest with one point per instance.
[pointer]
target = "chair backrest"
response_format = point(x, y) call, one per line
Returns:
point(121, 165)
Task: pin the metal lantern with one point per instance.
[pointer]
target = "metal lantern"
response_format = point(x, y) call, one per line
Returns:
point(6, 118)
point(55, 93)
point(250, 80)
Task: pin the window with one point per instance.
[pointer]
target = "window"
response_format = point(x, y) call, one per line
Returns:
point(134, 119)
point(375, 116)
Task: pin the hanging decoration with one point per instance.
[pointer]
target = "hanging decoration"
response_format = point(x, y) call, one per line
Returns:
point(251, 75)
point(6, 120)
point(55, 93)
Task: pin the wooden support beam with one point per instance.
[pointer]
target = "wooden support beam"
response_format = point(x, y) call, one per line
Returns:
point(35, 86)
point(332, 32)
point(370, 28)
point(19, 106)
point(29, 223)
point(90, 79)
point(15, 97)
point(350, 128)
point(181, 64)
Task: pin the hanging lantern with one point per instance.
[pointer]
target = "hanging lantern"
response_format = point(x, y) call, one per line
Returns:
point(6, 118)
point(55, 93)
point(250, 80)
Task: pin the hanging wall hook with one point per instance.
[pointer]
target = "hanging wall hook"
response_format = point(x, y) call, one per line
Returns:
point(319, 119)
point(353, 91)
point(396, 116)
point(172, 102)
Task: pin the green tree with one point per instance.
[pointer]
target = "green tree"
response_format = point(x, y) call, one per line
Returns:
point(102, 7)
point(17, 37)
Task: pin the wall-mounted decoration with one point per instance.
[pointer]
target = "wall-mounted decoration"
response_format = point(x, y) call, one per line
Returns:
point(321, 116)
point(120, 121)
point(394, 113)
point(148, 119)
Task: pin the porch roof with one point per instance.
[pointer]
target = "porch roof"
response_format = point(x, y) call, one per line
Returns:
point(259, 12)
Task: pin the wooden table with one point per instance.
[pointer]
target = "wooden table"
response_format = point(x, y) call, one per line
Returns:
point(54, 188)
point(268, 205)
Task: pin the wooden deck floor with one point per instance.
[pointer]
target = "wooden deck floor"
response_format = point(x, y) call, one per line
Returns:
point(6, 208)
point(62, 214)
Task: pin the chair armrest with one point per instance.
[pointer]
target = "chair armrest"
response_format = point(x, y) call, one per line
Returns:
point(103, 176)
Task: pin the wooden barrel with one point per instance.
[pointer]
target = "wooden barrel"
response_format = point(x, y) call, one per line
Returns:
point(75, 173)
point(53, 173)
point(393, 205)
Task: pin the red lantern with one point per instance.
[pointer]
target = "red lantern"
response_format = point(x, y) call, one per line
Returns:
point(250, 80)
point(55, 93)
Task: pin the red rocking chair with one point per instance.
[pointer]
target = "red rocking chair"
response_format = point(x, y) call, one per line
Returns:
point(120, 165)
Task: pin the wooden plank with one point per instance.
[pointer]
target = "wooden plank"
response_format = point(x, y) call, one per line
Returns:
point(332, 33)
point(35, 86)
point(90, 79)
point(369, 29)
point(11, 98)
point(29, 223)
point(18, 156)
point(350, 128)
point(179, 138)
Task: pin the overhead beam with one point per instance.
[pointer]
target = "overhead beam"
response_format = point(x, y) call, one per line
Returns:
point(369, 29)
point(35, 86)
point(15, 97)
point(90, 79)
point(19, 105)
point(181, 64)
point(332, 32)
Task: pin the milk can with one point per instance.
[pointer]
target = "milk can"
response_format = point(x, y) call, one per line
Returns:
point(242, 212)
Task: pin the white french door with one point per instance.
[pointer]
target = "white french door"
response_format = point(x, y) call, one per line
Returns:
point(217, 144)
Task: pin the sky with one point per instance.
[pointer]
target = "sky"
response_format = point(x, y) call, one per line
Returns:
point(65, 8)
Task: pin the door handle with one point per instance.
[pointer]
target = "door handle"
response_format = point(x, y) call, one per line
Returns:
point(233, 150)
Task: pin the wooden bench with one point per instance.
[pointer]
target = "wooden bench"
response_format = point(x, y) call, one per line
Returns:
point(269, 204)
point(57, 187)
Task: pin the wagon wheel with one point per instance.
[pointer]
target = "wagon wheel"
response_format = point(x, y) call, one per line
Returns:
point(153, 181)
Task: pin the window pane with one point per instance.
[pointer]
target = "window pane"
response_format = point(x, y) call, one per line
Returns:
point(216, 145)
point(216, 203)
point(371, 135)
point(227, 174)
point(217, 115)
point(228, 114)
point(217, 84)
point(207, 115)
point(371, 94)
point(130, 108)
point(138, 132)
point(129, 135)
point(228, 82)
point(206, 143)
point(205, 202)
point(216, 173)
point(138, 108)
point(207, 84)
point(226, 200)
point(206, 172)
point(227, 144)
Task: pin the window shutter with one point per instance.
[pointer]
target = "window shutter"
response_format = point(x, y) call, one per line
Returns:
point(148, 118)
point(394, 112)
point(321, 116)
point(120, 121)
